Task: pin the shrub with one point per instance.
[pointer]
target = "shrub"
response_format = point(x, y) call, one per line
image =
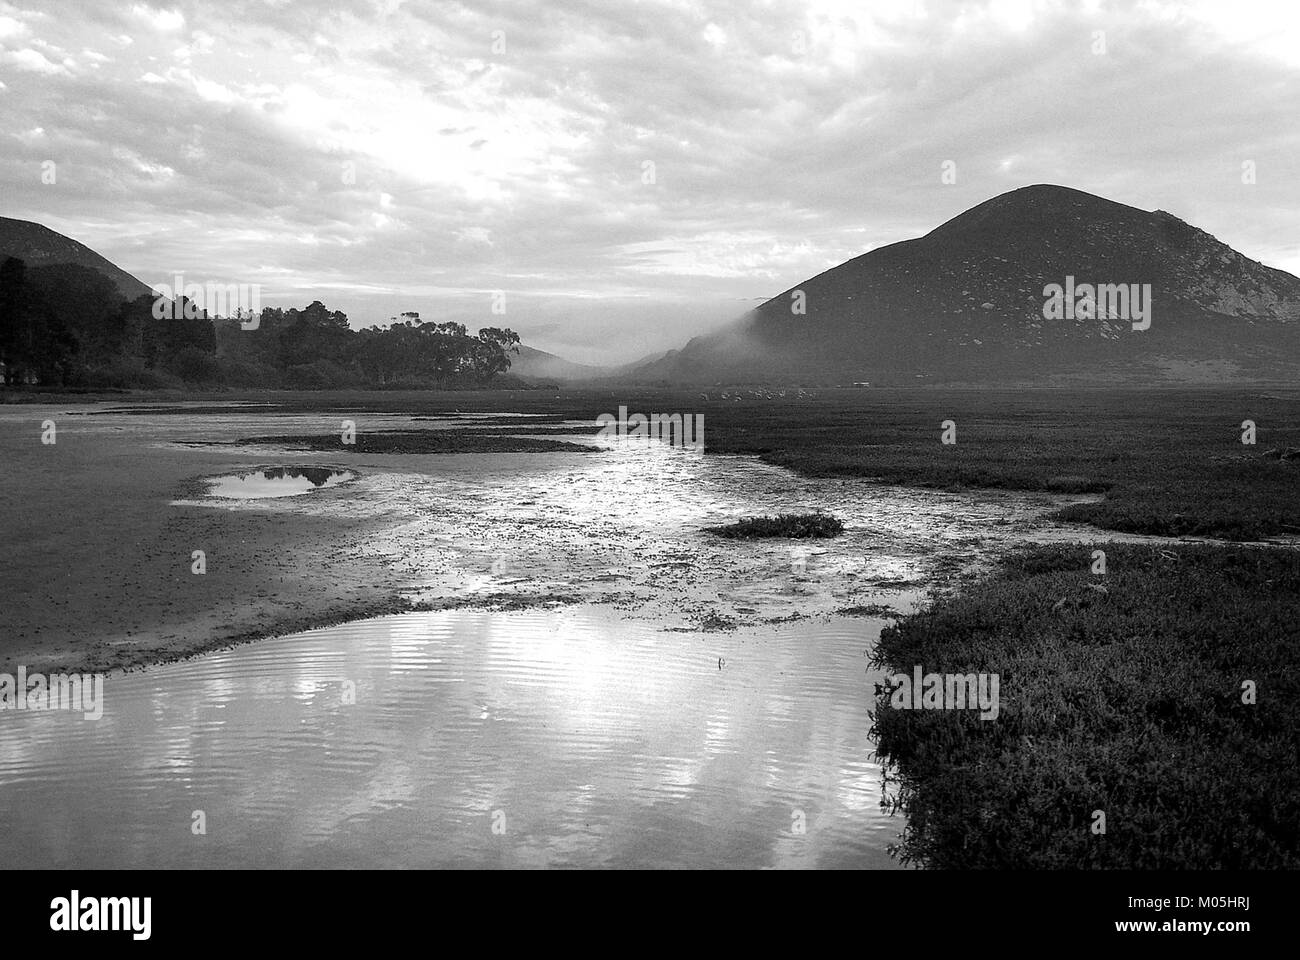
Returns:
point(320, 375)
point(194, 366)
point(792, 525)
point(124, 373)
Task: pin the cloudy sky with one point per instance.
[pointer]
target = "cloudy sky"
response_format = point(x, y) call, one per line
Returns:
point(629, 174)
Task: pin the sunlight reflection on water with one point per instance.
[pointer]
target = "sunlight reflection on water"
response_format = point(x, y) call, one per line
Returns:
point(601, 742)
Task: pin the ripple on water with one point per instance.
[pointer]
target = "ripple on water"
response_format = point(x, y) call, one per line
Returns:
point(587, 739)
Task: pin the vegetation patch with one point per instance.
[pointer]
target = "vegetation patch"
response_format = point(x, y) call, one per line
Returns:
point(1126, 694)
point(797, 526)
point(869, 610)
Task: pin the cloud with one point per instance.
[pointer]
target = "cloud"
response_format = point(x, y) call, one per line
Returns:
point(32, 61)
point(441, 151)
point(9, 27)
point(161, 20)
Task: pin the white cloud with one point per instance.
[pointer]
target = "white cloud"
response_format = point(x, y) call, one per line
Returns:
point(162, 20)
point(214, 92)
point(9, 27)
point(1261, 26)
point(32, 61)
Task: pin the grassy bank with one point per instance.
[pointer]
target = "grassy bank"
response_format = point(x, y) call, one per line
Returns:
point(1128, 701)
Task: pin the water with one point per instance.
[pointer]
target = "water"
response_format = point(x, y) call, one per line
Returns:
point(277, 482)
point(615, 732)
point(584, 738)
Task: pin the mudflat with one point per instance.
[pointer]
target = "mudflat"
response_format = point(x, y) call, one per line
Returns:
point(99, 562)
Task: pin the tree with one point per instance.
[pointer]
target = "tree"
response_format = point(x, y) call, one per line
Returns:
point(312, 334)
point(34, 339)
point(492, 353)
point(85, 302)
point(185, 325)
point(14, 323)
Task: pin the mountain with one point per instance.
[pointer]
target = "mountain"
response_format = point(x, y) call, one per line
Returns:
point(42, 247)
point(966, 302)
point(540, 365)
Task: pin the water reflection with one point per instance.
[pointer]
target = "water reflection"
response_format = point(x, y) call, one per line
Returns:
point(588, 740)
point(277, 482)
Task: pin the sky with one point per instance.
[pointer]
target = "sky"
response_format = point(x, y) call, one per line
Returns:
point(609, 178)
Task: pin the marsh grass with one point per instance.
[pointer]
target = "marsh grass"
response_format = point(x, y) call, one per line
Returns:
point(1127, 700)
point(1167, 463)
point(795, 526)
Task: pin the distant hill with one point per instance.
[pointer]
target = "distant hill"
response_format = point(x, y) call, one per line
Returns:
point(540, 365)
point(40, 246)
point(966, 303)
point(652, 362)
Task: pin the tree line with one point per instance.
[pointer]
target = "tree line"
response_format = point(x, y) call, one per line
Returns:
point(68, 325)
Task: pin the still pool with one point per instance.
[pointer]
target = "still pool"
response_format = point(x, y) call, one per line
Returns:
point(466, 738)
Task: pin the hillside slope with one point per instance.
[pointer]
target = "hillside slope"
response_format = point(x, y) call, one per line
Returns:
point(966, 302)
point(39, 246)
